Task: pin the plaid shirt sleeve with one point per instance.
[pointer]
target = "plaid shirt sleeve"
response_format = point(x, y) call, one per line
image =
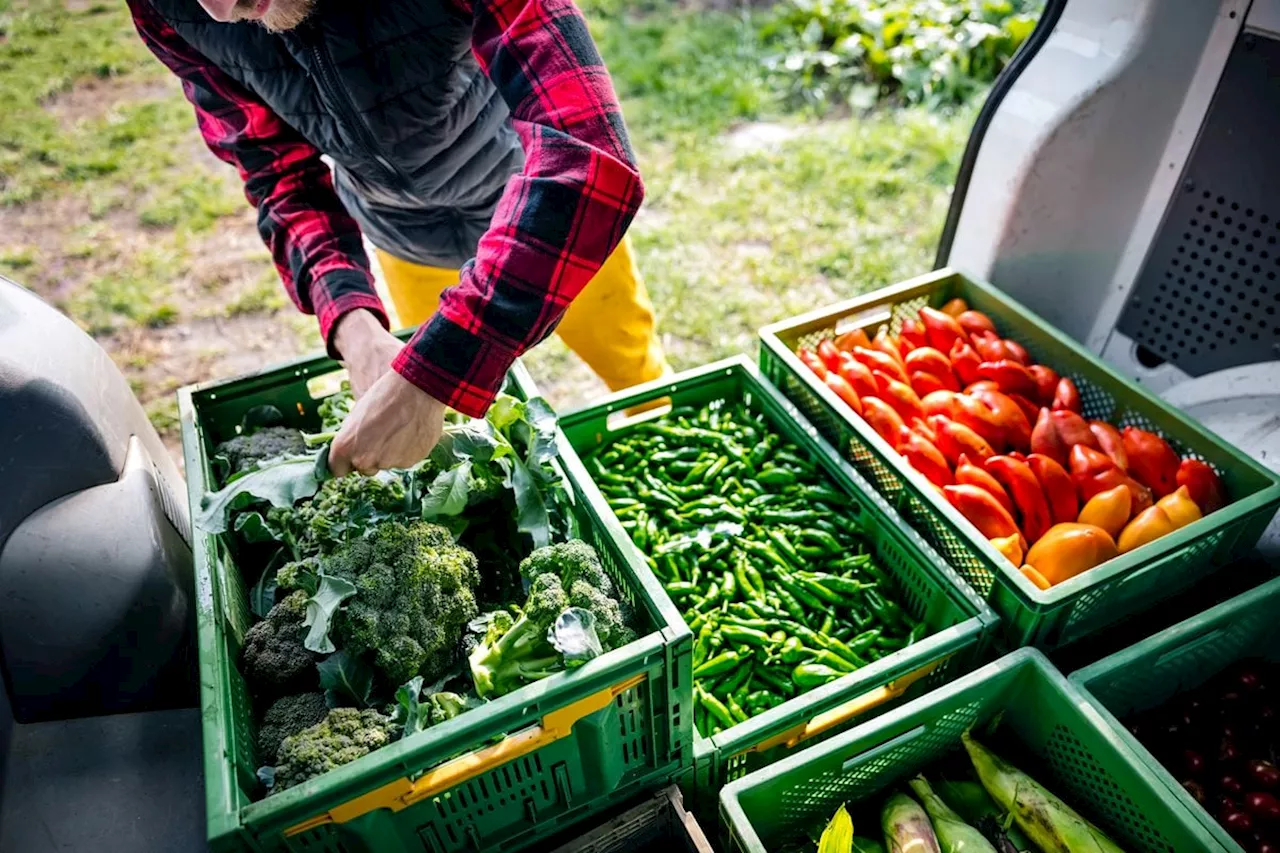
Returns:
point(556, 222)
point(315, 243)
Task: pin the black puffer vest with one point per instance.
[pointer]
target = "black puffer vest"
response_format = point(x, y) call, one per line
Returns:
point(390, 91)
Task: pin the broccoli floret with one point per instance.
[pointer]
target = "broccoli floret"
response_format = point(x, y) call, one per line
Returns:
point(244, 452)
point(571, 561)
point(509, 659)
point(342, 510)
point(333, 410)
point(445, 706)
point(610, 624)
point(415, 594)
point(344, 735)
point(288, 716)
point(274, 660)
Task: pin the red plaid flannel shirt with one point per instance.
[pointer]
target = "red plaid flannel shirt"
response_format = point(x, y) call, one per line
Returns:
point(554, 226)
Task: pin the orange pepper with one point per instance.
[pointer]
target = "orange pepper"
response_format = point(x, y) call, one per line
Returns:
point(1013, 422)
point(848, 340)
point(1046, 383)
point(940, 403)
point(885, 363)
point(887, 344)
point(1109, 510)
point(1152, 461)
point(1093, 471)
point(956, 440)
point(983, 510)
point(1016, 351)
point(1009, 375)
point(1147, 526)
point(964, 361)
point(1179, 506)
point(955, 307)
point(942, 329)
point(1110, 443)
point(884, 420)
point(1010, 547)
point(829, 354)
point(969, 474)
point(1068, 549)
point(1202, 483)
point(844, 391)
point(912, 335)
point(975, 321)
point(904, 400)
point(988, 345)
point(1033, 508)
point(930, 360)
point(810, 360)
point(1035, 577)
point(1058, 488)
point(1066, 396)
point(1045, 439)
point(922, 455)
point(925, 384)
point(858, 375)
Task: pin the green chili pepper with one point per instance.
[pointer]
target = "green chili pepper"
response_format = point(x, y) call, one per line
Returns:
point(739, 634)
point(793, 651)
point(715, 708)
point(681, 589)
point(740, 676)
point(776, 477)
point(810, 675)
point(722, 662)
point(736, 710)
point(777, 682)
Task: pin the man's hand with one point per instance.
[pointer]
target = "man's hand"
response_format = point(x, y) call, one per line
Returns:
point(394, 425)
point(367, 349)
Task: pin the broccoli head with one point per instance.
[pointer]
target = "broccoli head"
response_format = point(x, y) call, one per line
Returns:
point(244, 452)
point(510, 658)
point(570, 561)
point(344, 735)
point(610, 623)
point(415, 594)
point(288, 716)
point(274, 660)
point(333, 410)
point(342, 510)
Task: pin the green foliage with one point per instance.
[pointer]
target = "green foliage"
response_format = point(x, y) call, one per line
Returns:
point(346, 679)
point(344, 735)
point(281, 482)
point(938, 53)
point(415, 713)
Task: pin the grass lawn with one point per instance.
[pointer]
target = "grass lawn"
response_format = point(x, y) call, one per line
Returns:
point(111, 208)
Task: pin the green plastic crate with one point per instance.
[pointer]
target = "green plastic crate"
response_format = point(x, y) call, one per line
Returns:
point(576, 743)
point(1149, 673)
point(929, 589)
point(1091, 601)
point(658, 822)
point(1077, 756)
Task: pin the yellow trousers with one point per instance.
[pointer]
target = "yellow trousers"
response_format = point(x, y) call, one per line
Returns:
point(610, 325)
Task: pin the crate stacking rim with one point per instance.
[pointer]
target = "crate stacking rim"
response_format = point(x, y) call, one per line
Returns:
point(1076, 755)
point(1092, 600)
point(522, 769)
point(1181, 658)
point(928, 588)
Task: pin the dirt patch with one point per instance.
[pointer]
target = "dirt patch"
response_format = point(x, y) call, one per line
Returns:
point(97, 97)
point(760, 136)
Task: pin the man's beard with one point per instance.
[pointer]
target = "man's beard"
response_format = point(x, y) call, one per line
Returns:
point(281, 15)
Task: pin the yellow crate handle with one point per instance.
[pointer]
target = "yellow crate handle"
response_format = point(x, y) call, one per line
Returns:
point(403, 793)
point(841, 714)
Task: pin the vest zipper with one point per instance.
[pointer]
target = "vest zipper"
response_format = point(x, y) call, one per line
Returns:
point(341, 101)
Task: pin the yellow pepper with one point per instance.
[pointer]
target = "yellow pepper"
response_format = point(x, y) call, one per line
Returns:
point(1068, 549)
point(1172, 511)
point(1109, 510)
point(1010, 547)
point(1035, 577)
point(1179, 506)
